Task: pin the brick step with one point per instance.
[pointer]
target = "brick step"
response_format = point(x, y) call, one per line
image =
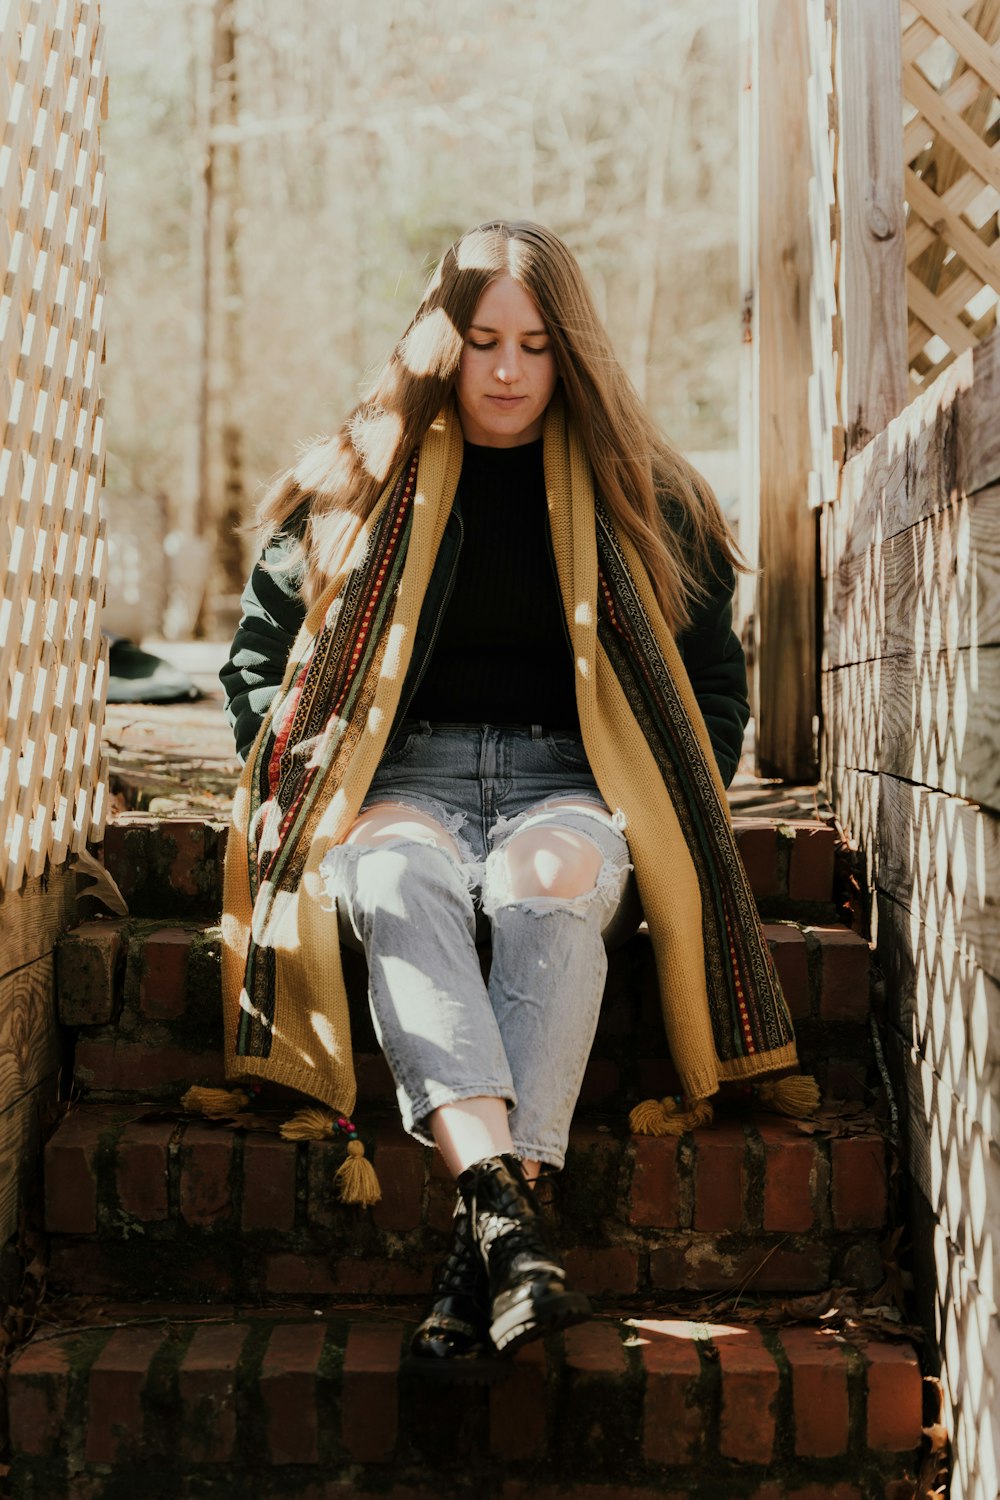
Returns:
point(196, 1209)
point(258, 1404)
point(145, 996)
point(173, 866)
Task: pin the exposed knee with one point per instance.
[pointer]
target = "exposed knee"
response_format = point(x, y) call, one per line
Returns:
point(386, 821)
point(549, 861)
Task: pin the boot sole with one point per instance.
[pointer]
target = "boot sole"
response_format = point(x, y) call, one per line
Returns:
point(523, 1324)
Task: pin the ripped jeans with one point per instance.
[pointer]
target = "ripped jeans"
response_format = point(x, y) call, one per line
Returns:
point(417, 912)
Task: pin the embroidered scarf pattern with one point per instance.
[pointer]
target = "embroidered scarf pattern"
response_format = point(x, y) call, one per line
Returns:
point(748, 1010)
point(729, 1022)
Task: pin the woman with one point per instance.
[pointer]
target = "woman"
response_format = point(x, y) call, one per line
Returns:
point(487, 685)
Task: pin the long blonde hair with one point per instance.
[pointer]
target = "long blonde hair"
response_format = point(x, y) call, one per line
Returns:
point(337, 481)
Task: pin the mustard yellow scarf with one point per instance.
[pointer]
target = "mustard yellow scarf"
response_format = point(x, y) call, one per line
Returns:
point(286, 1016)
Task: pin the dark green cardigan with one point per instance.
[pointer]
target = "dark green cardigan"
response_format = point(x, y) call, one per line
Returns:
point(273, 610)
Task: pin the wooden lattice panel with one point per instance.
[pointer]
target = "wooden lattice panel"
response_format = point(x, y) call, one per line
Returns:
point(53, 664)
point(951, 161)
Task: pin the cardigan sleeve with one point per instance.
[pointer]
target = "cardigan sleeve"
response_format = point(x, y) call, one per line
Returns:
point(273, 610)
point(716, 664)
point(715, 661)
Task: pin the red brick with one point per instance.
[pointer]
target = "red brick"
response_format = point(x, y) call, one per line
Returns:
point(824, 1491)
point(374, 1078)
point(749, 1389)
point(600, 1081)
point(37, 1391)
point(845, 974)
point(288, 1391)
point(845, 1079)
point(86, 970)
point(895, 1397)
point(595, 1348)
point(609, 1268)
point(673, 1422)
point(530, 1489)
point(858, 1187)
point(441, 1195)
point(518, 1408)
point(399, 1162)
point(206, 1161)
point(788, 949)
point(758, 845)
point(268, 1183)
point(191, 840)
point(117, 1379)
point(654, 1196)
point(207, 1387)
point(142, 1171)
point(70, 1175)
point(164, 973)
point(810, 871)
point(370, 1396)
point(775, 1268)
point(299, 1275)
point(699, 1265)
point(719, 1177)
point(366, 1276)
point(818, 1366)
point(790, 1162)
point(112, 1065)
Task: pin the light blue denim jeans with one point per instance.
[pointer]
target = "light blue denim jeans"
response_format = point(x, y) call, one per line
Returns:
point(417, 913)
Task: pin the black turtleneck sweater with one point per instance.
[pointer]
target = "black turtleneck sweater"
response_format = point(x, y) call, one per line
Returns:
point(501, 656)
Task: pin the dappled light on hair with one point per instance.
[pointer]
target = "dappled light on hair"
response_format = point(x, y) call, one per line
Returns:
point(654, 496)
point(482, 250)
point(375, 434)
point(432, 346)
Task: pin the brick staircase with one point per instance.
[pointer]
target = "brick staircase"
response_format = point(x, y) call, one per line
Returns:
point(239, 1332)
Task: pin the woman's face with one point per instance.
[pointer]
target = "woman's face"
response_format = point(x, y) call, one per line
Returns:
point(507, 372)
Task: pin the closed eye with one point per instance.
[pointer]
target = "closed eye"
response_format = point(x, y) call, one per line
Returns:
point(491, 344)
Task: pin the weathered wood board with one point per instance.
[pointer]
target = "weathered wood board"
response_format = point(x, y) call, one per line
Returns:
point(935, 584)
point(938, 856)
point(871, 282)
point(29, 1048)
point(33, 918)
point(785, 607)
point(945, 1007)
point(31, 921)
point(19, 1146)
point(933, 719)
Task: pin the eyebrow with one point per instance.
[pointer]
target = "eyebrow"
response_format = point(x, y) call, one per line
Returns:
point(529, 333)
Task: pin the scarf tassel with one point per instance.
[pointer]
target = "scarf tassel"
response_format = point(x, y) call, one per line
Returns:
point(356, 1178)
point(796, 1095)
point(215, 1104)
point(668, 1117)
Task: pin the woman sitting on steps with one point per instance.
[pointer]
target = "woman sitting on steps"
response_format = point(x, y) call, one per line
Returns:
point(486, 685)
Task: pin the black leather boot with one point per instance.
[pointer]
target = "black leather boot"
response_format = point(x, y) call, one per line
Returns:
point(527, 1289)
point(457, 1323)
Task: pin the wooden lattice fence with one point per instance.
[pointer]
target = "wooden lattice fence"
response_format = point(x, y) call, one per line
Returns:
point(53, 668)
point(951, 84)
point(950, 81)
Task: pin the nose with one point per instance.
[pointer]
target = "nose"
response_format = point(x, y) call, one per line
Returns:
point(507, 367)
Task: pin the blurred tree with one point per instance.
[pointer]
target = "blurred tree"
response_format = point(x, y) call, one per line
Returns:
point(367, 139)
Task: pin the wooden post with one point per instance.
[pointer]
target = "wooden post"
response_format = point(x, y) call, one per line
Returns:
point(872, 280)
point(785, 633)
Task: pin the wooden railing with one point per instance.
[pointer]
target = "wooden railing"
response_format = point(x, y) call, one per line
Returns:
point(53, 670)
